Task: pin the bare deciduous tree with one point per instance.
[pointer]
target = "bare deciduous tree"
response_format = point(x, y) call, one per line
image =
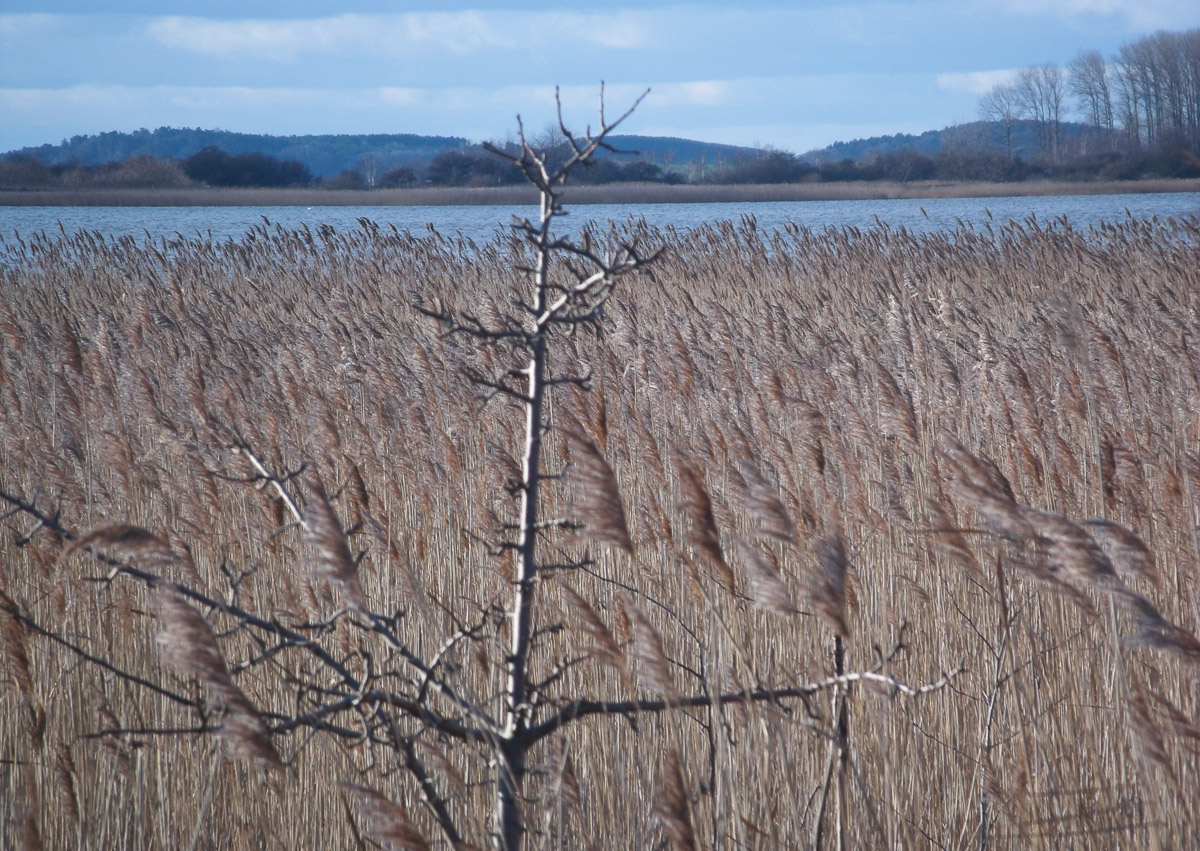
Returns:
point(1158, 89)
point(1041, 94)
point(1087, 77)
point(1001, 104)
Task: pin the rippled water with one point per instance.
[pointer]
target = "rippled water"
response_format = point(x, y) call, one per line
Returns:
point(482, 223)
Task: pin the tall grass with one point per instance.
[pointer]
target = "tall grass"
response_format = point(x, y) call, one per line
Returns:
point(946, 409)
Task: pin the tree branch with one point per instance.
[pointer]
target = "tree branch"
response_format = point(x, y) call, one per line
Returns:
point(577, 709)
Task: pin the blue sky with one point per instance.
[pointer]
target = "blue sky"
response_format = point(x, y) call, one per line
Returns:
point(792, 75)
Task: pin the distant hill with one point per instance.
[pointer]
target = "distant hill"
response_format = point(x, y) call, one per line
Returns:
point(975, 150)
point(669, 152)
point(977, 134)
point(327, 155)
point(324, 155)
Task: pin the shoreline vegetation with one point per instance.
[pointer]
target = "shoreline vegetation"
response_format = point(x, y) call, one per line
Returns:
point(620, 193)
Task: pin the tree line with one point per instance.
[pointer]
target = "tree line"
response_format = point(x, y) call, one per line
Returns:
point(209, 166)
point(1142, 104)
point(213, 167)
point(325, 154)
point(968, 154)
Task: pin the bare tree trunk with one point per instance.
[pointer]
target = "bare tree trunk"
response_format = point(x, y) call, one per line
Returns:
point(512, 748)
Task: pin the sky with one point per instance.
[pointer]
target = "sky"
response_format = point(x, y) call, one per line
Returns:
point(795, 76)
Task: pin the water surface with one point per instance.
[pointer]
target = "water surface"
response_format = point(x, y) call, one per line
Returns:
point(482, 223)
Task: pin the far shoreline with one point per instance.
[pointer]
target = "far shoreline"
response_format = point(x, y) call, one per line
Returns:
point(613, 193)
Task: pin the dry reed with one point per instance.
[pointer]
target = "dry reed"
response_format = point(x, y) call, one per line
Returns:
point(873, 416)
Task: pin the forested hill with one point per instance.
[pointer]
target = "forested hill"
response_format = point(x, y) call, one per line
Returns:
point(975, 134)
point(324, 155)
point(1020, 150)
point(668, 151)
point(330, 154)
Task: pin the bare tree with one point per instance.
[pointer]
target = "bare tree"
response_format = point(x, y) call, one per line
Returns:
point(1158, 89)
point(370, 168)
point(1087, 77)
point(1002, 105)
point(569, 283)
point(1189, 47)
point(1041, 94)
point(552, 307)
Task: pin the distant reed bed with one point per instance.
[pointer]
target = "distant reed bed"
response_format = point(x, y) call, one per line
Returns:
point(974, 449)
point(612, 193)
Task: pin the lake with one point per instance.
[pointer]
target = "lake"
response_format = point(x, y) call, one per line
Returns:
point(482, 223)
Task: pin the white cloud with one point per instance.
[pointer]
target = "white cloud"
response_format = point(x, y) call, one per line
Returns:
point(21, 26)
point(1141, 14)
point(698, 93)
point(275, 40)
point(616, 31)
point(974, 82)
point(401, 96)
point(282, 40)
point(453, 33)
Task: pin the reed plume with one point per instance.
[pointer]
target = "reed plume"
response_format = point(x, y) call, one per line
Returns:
point(763, 503)
point(766, 586)
point(332, 560)
point(604, 647)
point(648, 658)
point(671, 806)
point(187, 644)
point(702, 531)
point(599, 499)
point(1127, 553)
point(387, 822)
point(828, 584)
point(13, 635)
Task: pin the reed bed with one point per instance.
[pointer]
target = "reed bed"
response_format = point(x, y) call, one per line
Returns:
point(955, 405)
point(611, 193)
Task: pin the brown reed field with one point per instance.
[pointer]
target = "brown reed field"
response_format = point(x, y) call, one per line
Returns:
point(612, 193)
point(941, 492)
